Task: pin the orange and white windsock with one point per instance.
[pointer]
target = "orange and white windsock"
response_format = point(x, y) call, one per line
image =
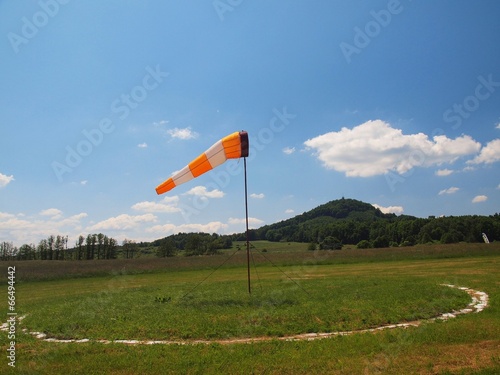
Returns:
point(233, 146)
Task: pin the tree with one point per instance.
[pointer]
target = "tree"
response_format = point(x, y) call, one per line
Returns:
point(26, 252)
point(194, 245)
point(88, 247)
point(43, 249)
point(128, 248)
point(381, 241)
point(79, 248)
point(166, 249)
point(7, 250)
point(100, 242)
point(59, 247)
point(110, 246)
point(50, 247)
point(330, 243)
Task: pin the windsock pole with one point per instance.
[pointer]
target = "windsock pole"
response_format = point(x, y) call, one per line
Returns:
point(247, 233)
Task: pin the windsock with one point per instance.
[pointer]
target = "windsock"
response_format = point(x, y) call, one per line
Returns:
point(233, 146)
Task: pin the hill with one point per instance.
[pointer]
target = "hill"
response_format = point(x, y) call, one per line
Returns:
point(349, 221)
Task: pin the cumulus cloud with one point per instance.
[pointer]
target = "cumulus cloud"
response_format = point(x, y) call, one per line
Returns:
point(489, 153)
point(443, 172)
point(54, 213)
point(5, 180)
point(289, 211)
point(142, 145)
point(451, 190)
point(74, 220)
point(166, 205)
point(479, 199)
point(257, 196)
point(183, 134)
point(289, 150)
point(21, 228)
point(398, 210)
point(201, 191)
point(252, 221)
point(212, 227)
point(122, 222)
point(375, 148)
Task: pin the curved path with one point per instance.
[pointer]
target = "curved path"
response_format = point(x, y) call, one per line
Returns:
point(479, 301)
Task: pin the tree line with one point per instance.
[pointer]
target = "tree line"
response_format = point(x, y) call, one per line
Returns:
point(92, 246)
point(99, 246)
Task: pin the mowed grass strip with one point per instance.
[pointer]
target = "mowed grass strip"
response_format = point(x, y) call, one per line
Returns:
point(159, 307)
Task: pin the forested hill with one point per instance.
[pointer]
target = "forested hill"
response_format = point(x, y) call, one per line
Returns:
point(349, 221)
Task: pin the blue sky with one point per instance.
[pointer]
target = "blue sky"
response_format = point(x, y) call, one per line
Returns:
point(395, 103)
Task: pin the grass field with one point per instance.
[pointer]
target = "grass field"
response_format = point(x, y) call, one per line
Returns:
point(293, 291)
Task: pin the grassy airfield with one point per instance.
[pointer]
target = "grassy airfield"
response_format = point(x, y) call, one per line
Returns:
point(294, 291)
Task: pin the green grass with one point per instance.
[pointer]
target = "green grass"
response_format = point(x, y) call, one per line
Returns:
point(223, 309)
point(334, 291)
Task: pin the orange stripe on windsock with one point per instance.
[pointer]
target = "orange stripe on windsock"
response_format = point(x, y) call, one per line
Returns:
point(200, 165)
point(232, 145)
point(165, 186)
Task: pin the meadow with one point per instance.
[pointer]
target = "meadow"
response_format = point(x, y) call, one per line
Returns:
point(294, 291)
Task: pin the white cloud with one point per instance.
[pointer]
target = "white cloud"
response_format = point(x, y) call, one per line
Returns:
point(167, 205)
point(122, 222)
point(479, 198)
point(289, 150)
point(498, 126)
point(5, 216)
point(252, 221)
point(201, 191)
point(398, 210)
point(489, 153)
point(375, 148)
point(160, 123)
point(444, 172)
point(498, 187)
point(167, 229)
point(73, 220)
point(451, 190)
point(142, 145)
point(257, 196)
point(54, 213)
point(22, 228)
point(5, 180)
point(183, 134)
point(289, 211)
point(84, 182)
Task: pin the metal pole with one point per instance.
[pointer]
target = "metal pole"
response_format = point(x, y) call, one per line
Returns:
point(246, 217)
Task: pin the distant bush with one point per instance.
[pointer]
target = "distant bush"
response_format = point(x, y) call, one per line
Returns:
point(364, 244)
